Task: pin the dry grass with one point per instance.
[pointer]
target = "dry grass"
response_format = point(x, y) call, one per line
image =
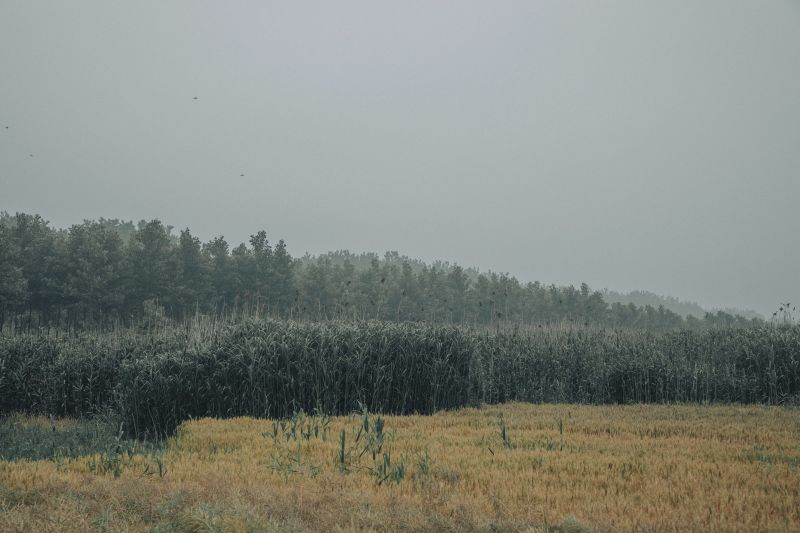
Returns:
point(619, 468)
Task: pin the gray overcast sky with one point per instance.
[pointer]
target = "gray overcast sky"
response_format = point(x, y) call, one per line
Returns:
point(628, 144)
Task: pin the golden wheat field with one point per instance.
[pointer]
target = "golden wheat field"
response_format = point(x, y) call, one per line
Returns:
point(515, 467)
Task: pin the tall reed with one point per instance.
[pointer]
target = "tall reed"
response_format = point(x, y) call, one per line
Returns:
point(155, 379)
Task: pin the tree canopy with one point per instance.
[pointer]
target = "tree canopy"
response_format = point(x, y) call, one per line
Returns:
point(110, 271)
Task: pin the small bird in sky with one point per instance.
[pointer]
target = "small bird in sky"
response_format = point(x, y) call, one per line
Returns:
point(195, 98)
point(241, 175)
point(30, 155)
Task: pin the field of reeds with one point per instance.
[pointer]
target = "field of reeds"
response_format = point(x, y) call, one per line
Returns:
point(154, 379)
point(515, 467)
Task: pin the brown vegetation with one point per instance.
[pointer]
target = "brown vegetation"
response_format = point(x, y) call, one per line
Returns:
point(560, 467)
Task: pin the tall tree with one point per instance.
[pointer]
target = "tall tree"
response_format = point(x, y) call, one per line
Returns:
point(222, 275)
point(41, 259)
point(13, 285)
point(192, 287)
point(95, 259)
point(261, 276)
point(151, 266)
point(282, 281)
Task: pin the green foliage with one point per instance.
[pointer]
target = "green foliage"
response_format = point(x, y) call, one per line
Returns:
point(424, 464)
point(99, 274)
point(156, 379)
point(24, 439)
point(386, 471)
point(152, 312)
point(13, 285)
point(504, 433)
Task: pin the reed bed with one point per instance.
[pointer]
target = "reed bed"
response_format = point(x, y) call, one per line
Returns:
point(157, 378)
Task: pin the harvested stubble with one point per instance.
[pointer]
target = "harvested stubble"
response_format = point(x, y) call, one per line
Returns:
point(272, 368)
point(664, 468)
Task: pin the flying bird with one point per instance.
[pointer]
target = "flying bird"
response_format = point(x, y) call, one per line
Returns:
point(195, 98)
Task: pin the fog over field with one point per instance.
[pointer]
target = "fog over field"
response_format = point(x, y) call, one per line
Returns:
point(629, 144)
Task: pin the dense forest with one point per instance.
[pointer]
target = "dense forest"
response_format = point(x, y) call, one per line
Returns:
point(103, 273)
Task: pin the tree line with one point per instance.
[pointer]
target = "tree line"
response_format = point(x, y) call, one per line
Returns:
point(106, 272)
point(683, 308)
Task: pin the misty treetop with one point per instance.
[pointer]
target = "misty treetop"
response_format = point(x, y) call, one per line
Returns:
point(685, 309)
point(110, 271)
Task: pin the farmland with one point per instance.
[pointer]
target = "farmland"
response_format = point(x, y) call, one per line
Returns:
point(515, 467)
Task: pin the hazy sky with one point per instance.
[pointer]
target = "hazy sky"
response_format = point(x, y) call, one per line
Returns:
point(629, 144)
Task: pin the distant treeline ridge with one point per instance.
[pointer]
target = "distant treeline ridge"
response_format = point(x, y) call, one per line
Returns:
point(108, 272)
